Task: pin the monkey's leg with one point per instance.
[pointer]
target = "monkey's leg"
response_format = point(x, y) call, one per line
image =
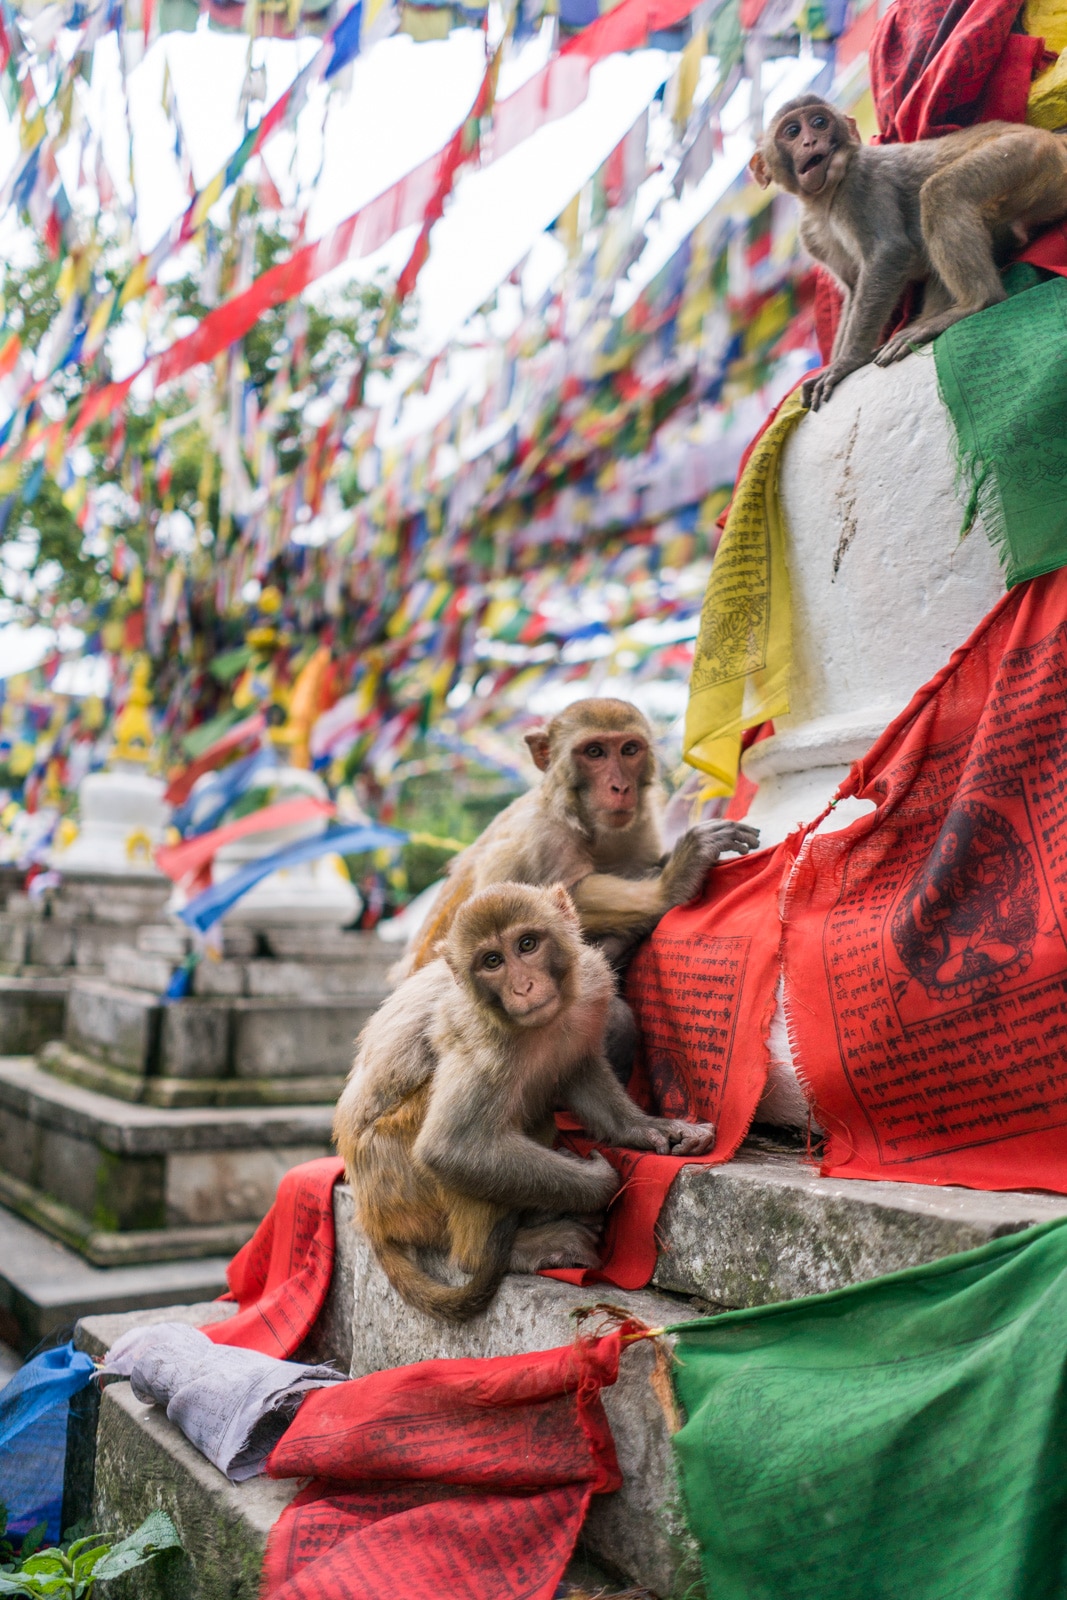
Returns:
point(620, 1039)
point(564, 1242)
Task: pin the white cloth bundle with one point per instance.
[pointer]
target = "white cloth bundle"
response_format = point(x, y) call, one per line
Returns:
point(233, 1404)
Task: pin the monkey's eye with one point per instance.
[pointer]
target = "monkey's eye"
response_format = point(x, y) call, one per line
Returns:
point(594, 750)
point(492, 960)
point(528, 942)
point(818, 122)
point(631, 748)
point(791, 130)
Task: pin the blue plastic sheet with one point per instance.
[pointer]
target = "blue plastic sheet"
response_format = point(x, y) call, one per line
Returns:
point(33, 1438)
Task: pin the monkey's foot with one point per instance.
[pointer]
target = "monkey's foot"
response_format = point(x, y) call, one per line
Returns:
point(922, 332)
point(565, 1243)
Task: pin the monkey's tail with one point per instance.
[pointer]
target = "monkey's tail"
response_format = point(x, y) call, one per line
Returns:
point(448, 1302)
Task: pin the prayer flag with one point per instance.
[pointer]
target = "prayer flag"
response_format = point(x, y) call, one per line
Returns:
point(744, 648)
point(906, 1437)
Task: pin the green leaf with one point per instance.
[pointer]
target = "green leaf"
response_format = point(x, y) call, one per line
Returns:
point(47, 1563)
point(33, 1540)
point(157, 1532)
point(85, 1563)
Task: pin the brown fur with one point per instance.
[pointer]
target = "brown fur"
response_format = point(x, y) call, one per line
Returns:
point(934, 213)
point(446, 1125)
point(618, 877)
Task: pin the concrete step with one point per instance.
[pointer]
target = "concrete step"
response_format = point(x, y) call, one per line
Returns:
point(32, 1011)
point(764, 1227)
point(133, 1031)
point(125, 1183)
point(45, 1287)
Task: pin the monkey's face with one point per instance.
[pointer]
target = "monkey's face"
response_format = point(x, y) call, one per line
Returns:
point(519, 971)
point(811, 148)
point(610, 771)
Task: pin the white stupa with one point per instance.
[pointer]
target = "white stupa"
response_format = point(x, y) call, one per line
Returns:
point(883, 590)
point(122, 815)
point(315, 893)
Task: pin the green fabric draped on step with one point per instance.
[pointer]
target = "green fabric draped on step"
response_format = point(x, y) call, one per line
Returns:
point(1003, 377)
point(904, 1439)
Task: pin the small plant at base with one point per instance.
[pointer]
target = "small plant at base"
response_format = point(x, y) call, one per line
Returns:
point(72, 1572)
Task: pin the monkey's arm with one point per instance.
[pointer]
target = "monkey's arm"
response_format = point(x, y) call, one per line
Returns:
point(631, 907)
point(882, 280)
point(469, 1146)
point(606, 1111)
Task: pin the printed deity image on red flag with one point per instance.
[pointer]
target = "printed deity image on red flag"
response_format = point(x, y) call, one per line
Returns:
point(925, 946)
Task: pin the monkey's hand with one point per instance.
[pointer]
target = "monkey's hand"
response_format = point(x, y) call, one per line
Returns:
point(698, 850)
point(602, 1179)
point(669, 1137)
point(816, 391)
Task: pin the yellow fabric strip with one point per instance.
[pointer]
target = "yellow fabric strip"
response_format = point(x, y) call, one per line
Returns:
point(744, 649)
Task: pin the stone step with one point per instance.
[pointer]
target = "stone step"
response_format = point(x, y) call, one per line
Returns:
point(134, 1031)
point(762, 1228)
point(767, 1227)
point(32, 1011)
point(45, 1287)
point(125, 1183)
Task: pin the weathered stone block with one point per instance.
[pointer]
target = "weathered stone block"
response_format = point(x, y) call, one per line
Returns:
point(133, 969)
point(316, 980)
point(49, 944)
point(95, 941)
point(327, 944)
point(143, 1464)
point(32, 1011)
point(13, 941)
point(164, 939)
point(755, 1231)
point(195, 1040)
point(289, 1039)
point(227, 1185)
point(220, 977)
point(113, 1024)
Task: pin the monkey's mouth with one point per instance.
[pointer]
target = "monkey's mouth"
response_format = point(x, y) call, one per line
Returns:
point(813, 162)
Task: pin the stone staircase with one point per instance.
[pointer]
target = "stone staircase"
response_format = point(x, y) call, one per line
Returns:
point(762, 1228)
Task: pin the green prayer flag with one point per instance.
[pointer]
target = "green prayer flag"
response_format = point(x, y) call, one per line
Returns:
point(904, 1439)
point(1002, 374)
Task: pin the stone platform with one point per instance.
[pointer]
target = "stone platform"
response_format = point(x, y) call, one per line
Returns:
point(762, 1228)
point(45, 1287)
point(271, 1022)
point(125, 1183)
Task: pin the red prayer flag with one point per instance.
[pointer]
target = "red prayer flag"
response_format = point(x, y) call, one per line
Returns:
point(180, 786)
point(926, 945)
point(196, 854)
point(280, 1277)
point(467, 1479)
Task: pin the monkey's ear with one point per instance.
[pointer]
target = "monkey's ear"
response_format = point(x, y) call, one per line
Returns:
point(565, 904)
point(760, 170)
point(853, 130)
point(537, 744)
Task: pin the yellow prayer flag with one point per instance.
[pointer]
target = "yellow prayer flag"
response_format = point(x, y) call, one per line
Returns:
point(745, 646)
point(1047, 19)
point(1046, 104)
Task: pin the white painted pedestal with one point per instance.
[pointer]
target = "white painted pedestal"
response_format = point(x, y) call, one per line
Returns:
point(883, 591)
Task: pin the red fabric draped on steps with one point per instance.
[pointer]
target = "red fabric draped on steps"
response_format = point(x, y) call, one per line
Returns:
point(281, 1276)
point(925, 946)
point(467, 1479)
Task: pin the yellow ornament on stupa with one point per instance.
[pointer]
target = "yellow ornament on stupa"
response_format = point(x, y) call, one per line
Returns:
point(133, 728)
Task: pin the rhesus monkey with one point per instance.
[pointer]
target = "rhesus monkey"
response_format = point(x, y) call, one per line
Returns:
point(445, 1123)
point(592, 824)
point(937, 212)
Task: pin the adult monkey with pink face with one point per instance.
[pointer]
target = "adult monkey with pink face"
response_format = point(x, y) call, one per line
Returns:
point(940, 212)
point(592, 824)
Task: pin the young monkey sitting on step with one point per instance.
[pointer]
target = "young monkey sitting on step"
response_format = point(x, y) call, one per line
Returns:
point(446, 1122)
